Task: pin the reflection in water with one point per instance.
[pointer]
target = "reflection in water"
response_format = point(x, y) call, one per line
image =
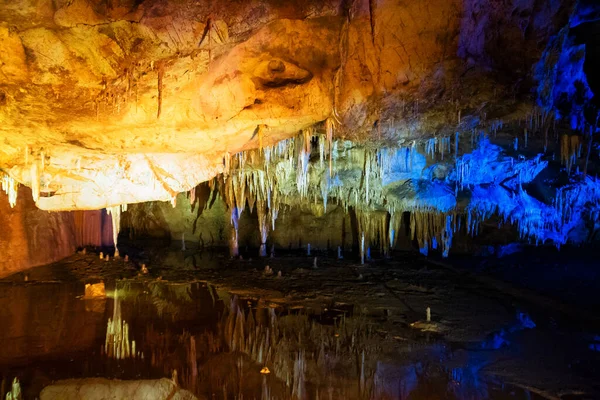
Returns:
point(117, 343)
point(14, 392)
point(224, 347)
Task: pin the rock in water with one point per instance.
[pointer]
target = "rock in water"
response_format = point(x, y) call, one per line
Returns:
point(101, 389)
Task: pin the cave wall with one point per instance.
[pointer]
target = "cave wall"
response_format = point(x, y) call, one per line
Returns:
point(32, 237)
point(295, 227)
point(567, 72)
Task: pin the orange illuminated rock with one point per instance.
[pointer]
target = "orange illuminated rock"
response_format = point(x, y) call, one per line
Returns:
point(95, 290)
point(103, 104)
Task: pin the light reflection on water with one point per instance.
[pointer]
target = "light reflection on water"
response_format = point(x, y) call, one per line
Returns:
point(218, 344)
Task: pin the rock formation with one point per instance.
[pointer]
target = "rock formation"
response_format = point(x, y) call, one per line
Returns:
point(112, 102)
point(74, 389)
point(30, 237)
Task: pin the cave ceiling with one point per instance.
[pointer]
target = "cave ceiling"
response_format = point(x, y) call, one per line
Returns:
point(110, 102)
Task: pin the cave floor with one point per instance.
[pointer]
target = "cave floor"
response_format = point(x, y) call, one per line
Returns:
point(359, 331)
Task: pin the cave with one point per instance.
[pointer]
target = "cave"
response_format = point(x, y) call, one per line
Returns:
point(301, 199)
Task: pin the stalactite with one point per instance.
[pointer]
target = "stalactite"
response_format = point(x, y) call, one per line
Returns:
point(261, 210)
point(283, 174)
point(463, 172)
point(430, 147)
point(444, 146)
point(35, 181)
point(329, 125)
point(226, 163)
point(495, 126)
point(11, 188)
point(367, 175)
point(362, 247)
point(394, 226)
point(435, 146)
point(302, 177)
point(115, 213)
point(373, 227)
point(234, 239)
point(430, 229)
point(321, 151)
point(325, 186)
point(570, 150)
